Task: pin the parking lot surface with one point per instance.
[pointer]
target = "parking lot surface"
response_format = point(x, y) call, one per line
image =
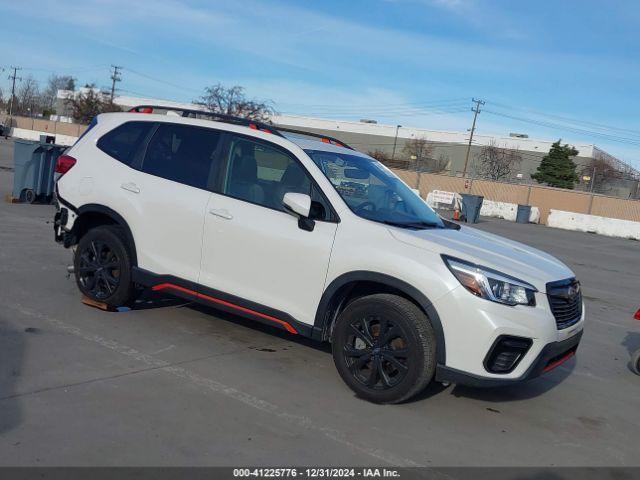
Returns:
point(177, 384)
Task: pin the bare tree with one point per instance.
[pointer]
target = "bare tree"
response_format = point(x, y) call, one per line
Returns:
point(28, 97)
point(232, 101)
point(55, 83)
point(379, 155)
point(497, 162)
point(85, 106)
point(602, 173)
point(420, 152)
point(441, 164)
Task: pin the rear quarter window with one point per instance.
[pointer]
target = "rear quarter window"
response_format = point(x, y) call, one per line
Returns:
point(123, 141)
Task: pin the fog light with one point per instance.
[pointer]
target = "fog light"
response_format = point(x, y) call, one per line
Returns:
point(506, 353)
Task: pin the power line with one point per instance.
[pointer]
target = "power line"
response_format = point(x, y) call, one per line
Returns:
point(378, 113)
point(571, 120)
point(381, 106)
point(557, 126)
point(149, 77)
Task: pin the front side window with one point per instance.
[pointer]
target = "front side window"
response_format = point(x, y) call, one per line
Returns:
point(183, 153)
point(261, 174)
point(122, 142)
point(372, 192)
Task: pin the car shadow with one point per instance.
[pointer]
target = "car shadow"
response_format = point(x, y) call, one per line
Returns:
point(12, 351)
point(149, 299)
point(631, 342)
point(260, 327)
point(520, 391)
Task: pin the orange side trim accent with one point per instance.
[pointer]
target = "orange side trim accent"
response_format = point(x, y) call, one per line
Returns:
point(164, 286)
point(559, 362)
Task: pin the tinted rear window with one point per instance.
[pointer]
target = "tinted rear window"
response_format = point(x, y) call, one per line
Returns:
point(122, 142)
point(184, 154)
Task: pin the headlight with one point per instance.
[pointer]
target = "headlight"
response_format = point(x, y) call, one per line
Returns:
point(491, 285)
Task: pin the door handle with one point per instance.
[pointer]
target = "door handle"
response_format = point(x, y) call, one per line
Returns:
point(130, 187)
point(221, 213)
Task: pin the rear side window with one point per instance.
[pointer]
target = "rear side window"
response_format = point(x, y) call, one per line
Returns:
point(122, 142)
point(184, 154)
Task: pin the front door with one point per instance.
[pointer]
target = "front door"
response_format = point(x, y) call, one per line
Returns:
point(252, 248)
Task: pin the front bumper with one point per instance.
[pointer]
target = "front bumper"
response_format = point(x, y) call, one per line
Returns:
point(551, 356)
point(472, 326)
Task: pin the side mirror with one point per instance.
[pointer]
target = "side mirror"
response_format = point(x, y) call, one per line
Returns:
point(299, 205)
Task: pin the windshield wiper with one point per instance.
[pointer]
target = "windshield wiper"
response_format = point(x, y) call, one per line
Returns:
point(450, 224)
point(416, 225)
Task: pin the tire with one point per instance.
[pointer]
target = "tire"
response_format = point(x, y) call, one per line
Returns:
point(29, 195)
point(635, 362)
point(102, 266)
point(384, 348)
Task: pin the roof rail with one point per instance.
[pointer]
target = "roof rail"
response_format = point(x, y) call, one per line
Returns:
point(221, 117)
point(324, 138)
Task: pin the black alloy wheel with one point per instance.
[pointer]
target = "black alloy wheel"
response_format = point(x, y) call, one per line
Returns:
point(102, 266)
point(384, 348)
point(99, 269)
point(376, 352)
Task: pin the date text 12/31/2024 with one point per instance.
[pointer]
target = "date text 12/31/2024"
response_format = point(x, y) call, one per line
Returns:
point(316, 473)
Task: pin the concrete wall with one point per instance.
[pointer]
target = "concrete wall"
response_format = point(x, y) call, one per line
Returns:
point(32, 128)
point(507, 211)
point(35, 135)
point(594, 224)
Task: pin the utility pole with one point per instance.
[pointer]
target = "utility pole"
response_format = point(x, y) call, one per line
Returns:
point(593, 179)
point(476, 111)
point(115, 77)
point(395, 141)
point(13, 79)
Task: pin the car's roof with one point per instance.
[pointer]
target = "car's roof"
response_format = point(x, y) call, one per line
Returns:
point(313, 144)
point(299, 138)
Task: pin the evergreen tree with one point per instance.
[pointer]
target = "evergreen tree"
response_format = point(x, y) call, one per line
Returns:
point(557, 169)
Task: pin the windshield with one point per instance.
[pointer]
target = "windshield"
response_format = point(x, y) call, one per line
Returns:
point(371, 191)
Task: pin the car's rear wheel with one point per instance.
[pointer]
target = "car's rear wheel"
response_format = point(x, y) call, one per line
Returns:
point(384, 348)
point(102, 266)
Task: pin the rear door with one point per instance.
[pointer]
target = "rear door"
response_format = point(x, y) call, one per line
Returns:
point(168, 193)
point(254, 250)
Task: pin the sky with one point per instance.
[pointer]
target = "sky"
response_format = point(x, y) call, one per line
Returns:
point(552, 69)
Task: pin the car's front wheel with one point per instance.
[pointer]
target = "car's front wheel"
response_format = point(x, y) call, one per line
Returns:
point(102, 266)
point(384, 348)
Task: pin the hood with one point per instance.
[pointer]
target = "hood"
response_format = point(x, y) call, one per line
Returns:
point(488, 250)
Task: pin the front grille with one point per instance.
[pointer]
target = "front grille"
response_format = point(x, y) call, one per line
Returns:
point(565, 299)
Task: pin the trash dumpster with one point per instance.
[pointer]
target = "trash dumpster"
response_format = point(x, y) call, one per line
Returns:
point(34, 165)
point(523, 214)
point(471, 205)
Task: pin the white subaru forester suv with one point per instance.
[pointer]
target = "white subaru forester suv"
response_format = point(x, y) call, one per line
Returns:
point(304, 233)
